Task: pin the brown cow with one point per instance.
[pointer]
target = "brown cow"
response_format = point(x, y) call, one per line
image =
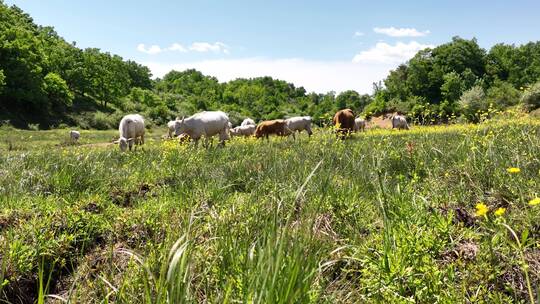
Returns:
point(277, 126)
point(344, 122)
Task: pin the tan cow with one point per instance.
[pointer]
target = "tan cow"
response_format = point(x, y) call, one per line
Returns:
point(344, 122)
point(277, 126)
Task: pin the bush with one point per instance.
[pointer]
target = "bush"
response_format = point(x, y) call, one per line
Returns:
point(502, 95)
point(103, 121)
point(473, 103)
point(531, 97)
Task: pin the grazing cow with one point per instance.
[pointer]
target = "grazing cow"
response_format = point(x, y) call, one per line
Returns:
point(399, 122)
point(207, 124)
point(131, 130)
point(359, 124)
point(247, 130)
point(248, 121)
point(278, 127)
point(74, 136)
point(170, 127)
point(299, 124)
point(344, 122)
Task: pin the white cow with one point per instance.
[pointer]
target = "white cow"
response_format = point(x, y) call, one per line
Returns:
point(247, 122)
point(207, 124)
point(170, 127)
point(359, 124)
point(74, 136)
point(299, 124)
point(399, 122)
point(247, 130)
point(131, 130)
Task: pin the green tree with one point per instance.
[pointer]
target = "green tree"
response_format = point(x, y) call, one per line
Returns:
point(452, 87)
point(57, 90)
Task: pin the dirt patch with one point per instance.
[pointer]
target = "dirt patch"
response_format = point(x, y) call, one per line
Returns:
point(461, 215)
point(126, 198)
point(101, 259)
point(92, 207)
point(22, 291)
point(465, 251)
point(382, 122)
point(13, 218)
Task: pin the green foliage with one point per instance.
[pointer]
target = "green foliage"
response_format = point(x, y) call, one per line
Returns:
point(57, 89)
point(441, 76)
point(502, 95)
point(44, 77)
point(531, 97)
point(384, 217)
point(473, 103)
point(453, 86)
point(2, 80)
point(103, 121)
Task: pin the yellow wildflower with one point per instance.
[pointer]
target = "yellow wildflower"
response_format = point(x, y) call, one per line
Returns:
point(513, 170)
point(500, 211)
point(535, 201)
point(481, 209)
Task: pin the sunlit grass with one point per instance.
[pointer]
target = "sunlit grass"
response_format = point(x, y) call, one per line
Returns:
point(385, 216)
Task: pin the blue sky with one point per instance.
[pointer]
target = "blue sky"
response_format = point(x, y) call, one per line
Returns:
point(321, 45)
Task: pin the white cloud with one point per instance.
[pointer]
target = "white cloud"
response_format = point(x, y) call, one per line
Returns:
point(216, 47)
point(400, 32)
point(358, 34)
point(390, 54)
point(154, 49)
point(318, 76)
point(177, 47)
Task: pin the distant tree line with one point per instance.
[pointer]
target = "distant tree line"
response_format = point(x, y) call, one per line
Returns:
point(47, 81)
point(460, 78)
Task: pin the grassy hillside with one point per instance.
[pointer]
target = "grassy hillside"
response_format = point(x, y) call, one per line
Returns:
point(387, 216)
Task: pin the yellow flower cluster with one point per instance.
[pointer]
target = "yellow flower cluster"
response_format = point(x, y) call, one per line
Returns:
point(500, 211)
point(535, 201)
point(513, 170)
point(482, 209)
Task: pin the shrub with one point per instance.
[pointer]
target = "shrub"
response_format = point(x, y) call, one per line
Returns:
point(473, 103)
point(102, 121)
point(531, 97)
point(502, 95)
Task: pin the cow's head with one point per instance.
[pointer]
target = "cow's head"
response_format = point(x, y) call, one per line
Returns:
point(123, 143)
point(179, 126)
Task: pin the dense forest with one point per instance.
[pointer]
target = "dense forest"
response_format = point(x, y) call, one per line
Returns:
point(46, 81)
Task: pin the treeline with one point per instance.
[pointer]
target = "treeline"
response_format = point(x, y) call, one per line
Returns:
point(47, 81)
point(460, 78)
point(43, 78)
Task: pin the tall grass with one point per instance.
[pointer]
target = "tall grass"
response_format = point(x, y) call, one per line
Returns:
point(385, 216)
